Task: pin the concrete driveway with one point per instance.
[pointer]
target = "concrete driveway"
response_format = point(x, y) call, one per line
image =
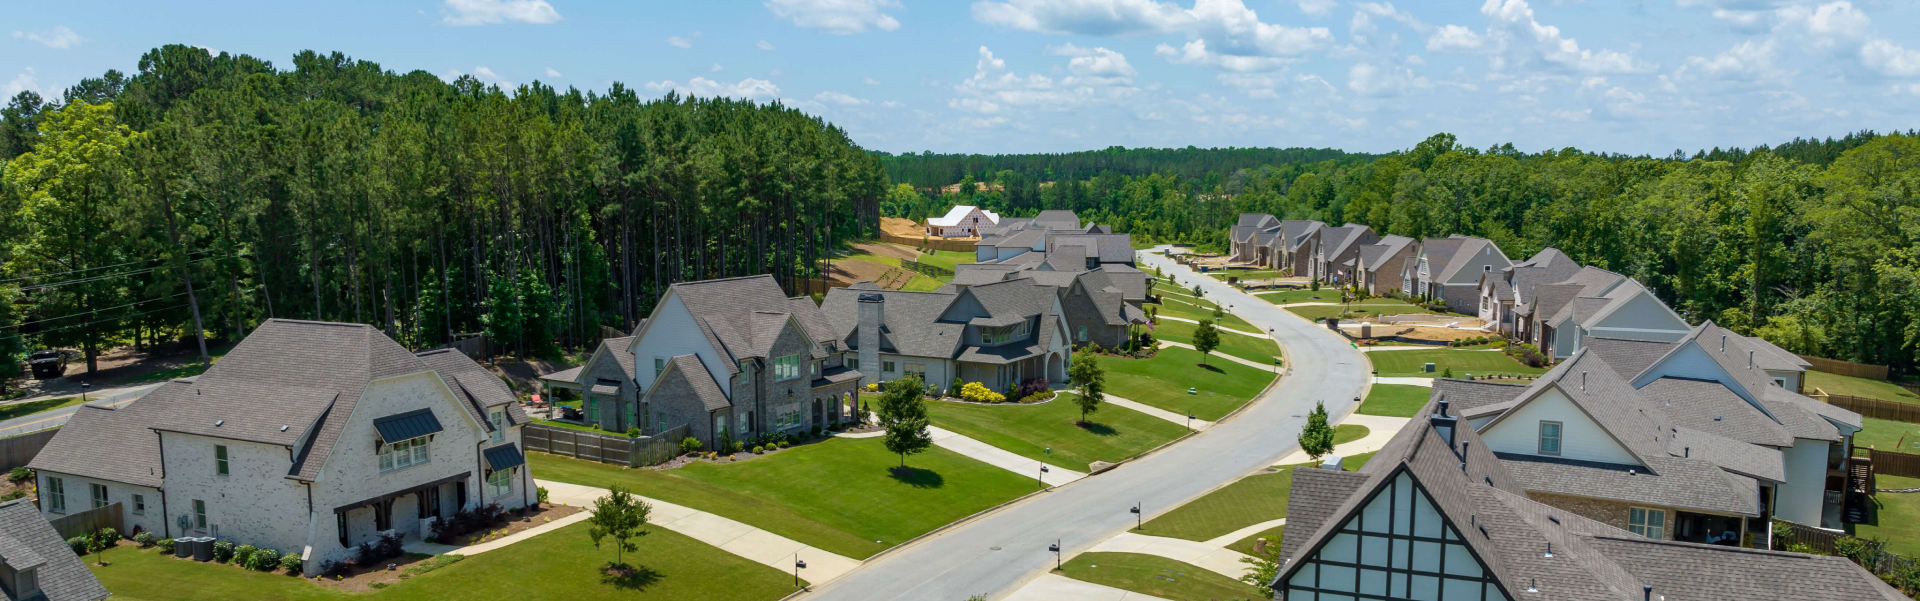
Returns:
point(997, 553)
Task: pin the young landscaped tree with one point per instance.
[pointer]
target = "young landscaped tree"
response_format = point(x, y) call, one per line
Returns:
point(903, 412)
point(1219, 313)
point(1317, 437)
point(103, 539)
point(1205, 339)
point(1090, 380)
point(618, 515)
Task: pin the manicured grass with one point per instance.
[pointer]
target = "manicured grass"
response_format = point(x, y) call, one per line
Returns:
point(1273, 536)
point(1157, 576)
point(1851, 386)
point(1888, 435)
point(1463, 362)
point(1376, 306)
point(1163, 382)
point(1115, 434)
point(1395, 400)
point(1345, 433)
point(1260, 350)
point(923, 283)
point(1178, 308)
point(1894, 517)
point(839, 495)
point(41, 406)
point(1325, 295)
point(562, 564)
point(946, 258)
point(1247, 501)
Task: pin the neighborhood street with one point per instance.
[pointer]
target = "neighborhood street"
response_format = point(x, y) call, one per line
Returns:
point(50, 419)
point(997, 553)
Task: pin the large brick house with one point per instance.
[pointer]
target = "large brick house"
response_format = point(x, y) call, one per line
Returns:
point(997, 334)
point(308, 437)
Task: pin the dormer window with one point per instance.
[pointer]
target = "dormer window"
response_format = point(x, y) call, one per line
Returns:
point(1003, 334)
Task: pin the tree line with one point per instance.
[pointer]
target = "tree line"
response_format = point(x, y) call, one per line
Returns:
point(211, 192)
point(1814, 244)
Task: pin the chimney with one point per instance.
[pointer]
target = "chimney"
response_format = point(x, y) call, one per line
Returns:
point(1444, 423)
point(872, 313)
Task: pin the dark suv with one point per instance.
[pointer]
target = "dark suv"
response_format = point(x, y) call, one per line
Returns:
point(47, 364)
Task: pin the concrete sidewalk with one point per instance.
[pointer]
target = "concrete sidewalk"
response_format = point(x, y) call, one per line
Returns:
point(1204, 555)
point(1198, 424)
point(1421, 382)
point(1380, 429)
point(1253, 364)
point(1054, 587)
point(1000, 458)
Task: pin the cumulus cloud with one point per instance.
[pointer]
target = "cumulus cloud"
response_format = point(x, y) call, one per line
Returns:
point(995, 88)
point(1318, 8)
point(870, 81)
point(1454, 38)
point(1095, 62)
point(701, 86)
point(551, 72)
point(716, 68)
point(840, 99)
point(60, 37)
point(1517, 38)
point(24, 82)
point(1745, 61)
point(1368, 79)
point(461, 13)
point(839, 17)
point(763, 45)
point(680, 42)
point(1891, 58)
point(1222, 33)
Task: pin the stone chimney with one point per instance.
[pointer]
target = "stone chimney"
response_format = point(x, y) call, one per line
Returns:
point(872, 316)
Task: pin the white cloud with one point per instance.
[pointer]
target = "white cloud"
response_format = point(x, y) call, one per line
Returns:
point(701, 86)
point(839, 17)
point(24, 82)
point(716, 68)
point(1518, 39)
point(1891, 58)
point(551, 72)
point(870, 81)
point(485, 75)
point(1454, 38)
point(461, 13)
point(1095, 62)
point(679, 42)
point(892, 104)
point(1384, 81)
point(1748, 60)
point(1223, 33)
point(60, 37)
point(840, 99)
point(776, 73)
point(211, 51)
point(763, 45)
point(974, 105)
point(1827, 22)
point(1318, 8)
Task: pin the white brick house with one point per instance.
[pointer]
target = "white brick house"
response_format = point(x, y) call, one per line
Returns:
point(308, 437)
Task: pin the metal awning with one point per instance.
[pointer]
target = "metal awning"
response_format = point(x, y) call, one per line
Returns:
point(412, 424)
point(461, 477)
point(504, 456)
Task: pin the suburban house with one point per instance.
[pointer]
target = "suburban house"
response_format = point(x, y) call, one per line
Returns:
point(1049, 231)
point(733, 358)
point(1437, 514)
point(1101, 306)
point(1244, 247)
point(1507, 293)
point(1378, 265)
point(1582, 439)
point(1558, 317)
point(961, 221)
point(609, 395)
point(1292, 246)
point(1449, 270)
point(309, 437)
point(1335, 249)
point(36, 564)
point(998, 334)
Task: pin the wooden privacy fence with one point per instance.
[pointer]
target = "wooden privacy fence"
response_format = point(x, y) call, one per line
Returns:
point(1877, 408)
point(19, 450)
point(618, 450)
point(90, 521)
point(1788, 533)
point(1894, 463)
point(965, 246)
point(1847, 368)
point(475, 348)
point(813, 286)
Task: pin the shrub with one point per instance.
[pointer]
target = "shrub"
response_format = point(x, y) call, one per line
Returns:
point(165, 545)
point(264, 560)
point(18, 494)
point(78, 544)
point(978, 393)
point(689, 445)
point(633, 432)
point(291, 562)
point(759, 450)
point(19, 474)
point(243, 554)
point(223, 551)
point(144, 538)
point(541, 492)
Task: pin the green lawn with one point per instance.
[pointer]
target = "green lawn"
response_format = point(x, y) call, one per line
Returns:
point(1247, 501)
point(839, 495)
point(560, 564)
point(1463, 362)
point(32, 407)
point(946, 258)
point(1378, 306)
point(1116, 433)
point(1157, 576)
point(1838, 384)
point(1395, 400)
point(1888, 435)
point(1204, 311)
point(1327, 295)
point(1162, 381)
point(1260, 350)
point(1894, 517)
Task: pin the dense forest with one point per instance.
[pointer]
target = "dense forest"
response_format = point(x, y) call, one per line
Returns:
point(221, 191)
point(1814, 244)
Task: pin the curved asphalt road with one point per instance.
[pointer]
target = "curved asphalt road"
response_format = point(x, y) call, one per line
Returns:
point(995, 554)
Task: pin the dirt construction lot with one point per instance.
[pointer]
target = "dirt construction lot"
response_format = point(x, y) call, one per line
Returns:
point(888, 250)
point(908, 229)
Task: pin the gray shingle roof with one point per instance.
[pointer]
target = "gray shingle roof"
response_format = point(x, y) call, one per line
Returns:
point(480, 388)
point(111, 444)
point(1691, 572)
point(1752, 460)
point(910, 321)
point(28, 541)
point(1611, 402)
point(1109, 248)
point(1709, 407)
point(1295, 231)
point(1258, 220)
point(1316, 494)
point(1627, 357)
point(1694, 485)
point(705, 389)
point(1468, 396)
point(724, 310)
point(1057, 219)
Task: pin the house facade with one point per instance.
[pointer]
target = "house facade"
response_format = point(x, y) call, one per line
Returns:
point(1378, 265)
point(1243, 245)
point(1335, 251)
point(308, 437)
point(734, 358)
point(609, 395)
point(962, 221)
point(1000, 334)
point(1449, 270)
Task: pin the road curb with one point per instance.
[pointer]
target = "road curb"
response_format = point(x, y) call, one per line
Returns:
point(931, 533)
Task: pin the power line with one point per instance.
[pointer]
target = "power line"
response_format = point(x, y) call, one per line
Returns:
point(175, 295)
point(98, 278)
point(79, 325)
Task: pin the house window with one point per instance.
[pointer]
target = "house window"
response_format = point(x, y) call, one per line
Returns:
point(853, 364)
point(659, 365)
point(886, 366)
point(500, 482)
point(1651, 523)
point(1003, 334)
point(918, 370)
point(1083, 333)
point(499, 420)
point(1781, 382)
point(220, 459)
point(139, 504)
point(404, 454)
point(199, 514)
point(1549, 438)
point(56, 495)
point(99, 495)
point(786, 368)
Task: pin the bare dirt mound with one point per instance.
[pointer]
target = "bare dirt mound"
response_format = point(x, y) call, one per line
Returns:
point(848, 272)
point(888, 250)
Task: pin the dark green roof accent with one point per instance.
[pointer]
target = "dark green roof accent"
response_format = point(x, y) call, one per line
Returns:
point(504, 456)
point(412, 424)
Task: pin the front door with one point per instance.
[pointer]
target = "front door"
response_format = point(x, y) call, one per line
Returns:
point(817, 413)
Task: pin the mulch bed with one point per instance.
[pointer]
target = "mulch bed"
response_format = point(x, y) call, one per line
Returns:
point(546, 513)
point(364, 580)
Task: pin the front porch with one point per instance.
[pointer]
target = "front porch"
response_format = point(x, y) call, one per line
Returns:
point(429, 501)
point(999, 376)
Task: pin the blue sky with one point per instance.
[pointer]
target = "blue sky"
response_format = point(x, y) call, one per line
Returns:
point(1060, 75)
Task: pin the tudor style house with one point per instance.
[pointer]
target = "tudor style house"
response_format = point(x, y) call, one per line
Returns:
point(35, 564)
point(1437, 514)
point(733, 358)
point(962, 221)
point(997, 334)
point(309, 437)
point(1449, 269)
